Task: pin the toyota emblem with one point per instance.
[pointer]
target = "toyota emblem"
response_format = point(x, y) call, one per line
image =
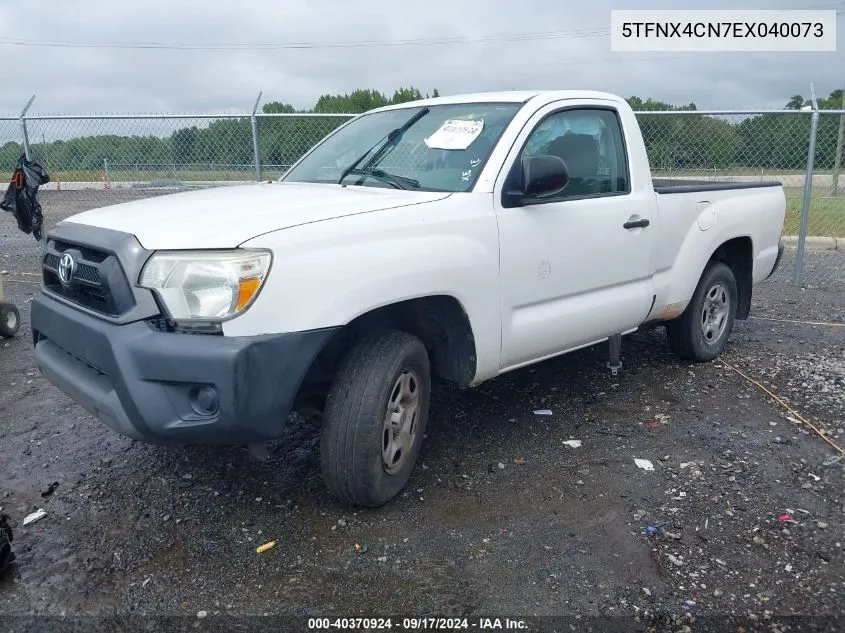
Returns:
point(67, 266)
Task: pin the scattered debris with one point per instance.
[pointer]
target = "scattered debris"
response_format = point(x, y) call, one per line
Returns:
point(573, 443)
point(202, 614)
point(647, 591)
point(50, 489)
point(820, 432)
point(146, 582)
point(263, 548)
point(357, 547)
point(677, 562)
point(815, 477)
point(543, 412)
point(35, 516)
point(644, 464)
point(651, 529)
point(519, 461)
point(821, 525)
point(685, 465)
point(602, 432)
point(784, 518)
point(501, 466)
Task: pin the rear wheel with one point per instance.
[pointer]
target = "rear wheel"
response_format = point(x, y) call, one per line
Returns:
point(10, 320)
point(375, 418)
point(702, 332)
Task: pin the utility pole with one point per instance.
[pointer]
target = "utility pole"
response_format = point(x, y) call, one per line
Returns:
point(840, 140)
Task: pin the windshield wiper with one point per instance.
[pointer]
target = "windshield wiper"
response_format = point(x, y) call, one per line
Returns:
point(392, 138)
point(400, 182)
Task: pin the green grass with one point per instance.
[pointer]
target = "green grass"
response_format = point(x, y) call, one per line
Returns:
point(95, 175)
point(826, 218)
point(749, 173)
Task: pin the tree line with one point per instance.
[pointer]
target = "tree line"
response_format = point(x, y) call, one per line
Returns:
point(688, 141)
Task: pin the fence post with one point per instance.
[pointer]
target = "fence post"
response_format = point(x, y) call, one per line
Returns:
point(255, 147)
point(24, 132)
point(840, 141)
point(805, 202)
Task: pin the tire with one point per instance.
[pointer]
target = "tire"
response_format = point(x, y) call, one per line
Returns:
point(10, 320)
point(363, 462)
point(701, 333)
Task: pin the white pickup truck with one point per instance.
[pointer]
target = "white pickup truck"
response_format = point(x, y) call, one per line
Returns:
point(459, 237)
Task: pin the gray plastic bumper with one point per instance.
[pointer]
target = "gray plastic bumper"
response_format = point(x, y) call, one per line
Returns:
point(166, 387)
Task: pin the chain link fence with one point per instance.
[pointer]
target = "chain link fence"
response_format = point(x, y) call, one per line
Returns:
point(761, 146)
point(98, 160)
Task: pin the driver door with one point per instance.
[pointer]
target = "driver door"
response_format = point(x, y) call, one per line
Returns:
point(572, 272)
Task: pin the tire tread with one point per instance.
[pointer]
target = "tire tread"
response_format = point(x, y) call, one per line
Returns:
point(357, 388)
point(680, 332)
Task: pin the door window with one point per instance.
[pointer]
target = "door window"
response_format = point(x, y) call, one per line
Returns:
point(590, 142)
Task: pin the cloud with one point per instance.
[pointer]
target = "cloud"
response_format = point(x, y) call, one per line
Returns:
point(76, 80)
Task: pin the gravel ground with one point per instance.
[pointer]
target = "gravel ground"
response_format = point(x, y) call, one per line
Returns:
point(739, 524)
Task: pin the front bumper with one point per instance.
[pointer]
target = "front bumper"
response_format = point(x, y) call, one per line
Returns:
point(171, 388)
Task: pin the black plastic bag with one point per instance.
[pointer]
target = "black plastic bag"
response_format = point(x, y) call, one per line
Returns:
point(21, 199)
point(7, 556)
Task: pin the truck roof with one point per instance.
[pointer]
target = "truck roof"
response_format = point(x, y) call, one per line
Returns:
point(507, 96)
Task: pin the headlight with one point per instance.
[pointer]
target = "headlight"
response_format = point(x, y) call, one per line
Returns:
point(205, 285)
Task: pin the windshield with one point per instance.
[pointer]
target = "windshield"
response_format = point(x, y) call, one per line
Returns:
point(444, 148)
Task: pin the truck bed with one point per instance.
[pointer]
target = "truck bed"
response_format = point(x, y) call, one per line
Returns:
point(667, 186)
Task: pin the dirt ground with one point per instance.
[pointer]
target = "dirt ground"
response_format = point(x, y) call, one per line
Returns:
point(740, 524)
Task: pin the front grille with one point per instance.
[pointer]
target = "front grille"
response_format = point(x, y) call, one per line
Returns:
point(85, 272)
point(98, 281)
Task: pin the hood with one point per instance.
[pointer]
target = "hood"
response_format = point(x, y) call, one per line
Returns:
point(224, 217)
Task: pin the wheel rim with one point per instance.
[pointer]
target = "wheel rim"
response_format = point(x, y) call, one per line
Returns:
point(714, 314)
point(400, 422)
point(11, 320)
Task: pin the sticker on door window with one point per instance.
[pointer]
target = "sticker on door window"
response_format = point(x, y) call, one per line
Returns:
point(455, 134)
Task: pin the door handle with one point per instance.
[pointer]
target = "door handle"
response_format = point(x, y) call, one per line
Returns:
point(636, 224)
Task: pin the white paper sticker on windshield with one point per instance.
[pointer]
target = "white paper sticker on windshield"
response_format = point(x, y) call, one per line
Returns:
point(455, 134)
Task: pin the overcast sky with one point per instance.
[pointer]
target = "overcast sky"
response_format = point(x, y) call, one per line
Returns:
point(77, 80)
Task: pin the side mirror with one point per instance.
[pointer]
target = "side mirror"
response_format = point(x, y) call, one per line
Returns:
point(536, 177)
point(543, 175)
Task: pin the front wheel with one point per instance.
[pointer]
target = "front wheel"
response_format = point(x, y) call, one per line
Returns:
point(702, 332)
point(375, 418)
